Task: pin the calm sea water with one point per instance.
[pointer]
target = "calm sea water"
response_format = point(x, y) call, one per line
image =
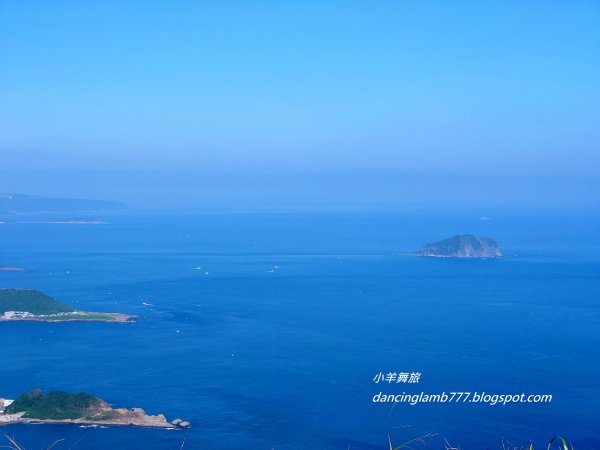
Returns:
point(275, 341)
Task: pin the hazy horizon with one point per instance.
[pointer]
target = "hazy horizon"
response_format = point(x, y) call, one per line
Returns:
point(344, 106)
point(313, 192)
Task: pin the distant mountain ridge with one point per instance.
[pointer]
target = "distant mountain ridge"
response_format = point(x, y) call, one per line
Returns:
point(462, 246)
point(30, 204)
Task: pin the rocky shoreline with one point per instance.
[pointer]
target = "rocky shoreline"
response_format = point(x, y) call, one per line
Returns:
point(97, 413)
point(158, 421)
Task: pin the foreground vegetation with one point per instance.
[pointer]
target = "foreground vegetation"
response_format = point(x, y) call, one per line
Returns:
point(556, 443)
point(561, 444)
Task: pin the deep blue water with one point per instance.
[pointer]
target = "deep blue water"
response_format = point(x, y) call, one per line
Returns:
point(260, 357)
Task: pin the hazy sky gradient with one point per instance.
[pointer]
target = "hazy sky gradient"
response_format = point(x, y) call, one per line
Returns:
point(428, 97)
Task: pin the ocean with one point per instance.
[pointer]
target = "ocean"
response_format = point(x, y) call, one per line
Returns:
point(268, 331)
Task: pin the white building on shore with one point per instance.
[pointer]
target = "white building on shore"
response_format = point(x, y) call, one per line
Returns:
point(4, 403)
point(8, 315)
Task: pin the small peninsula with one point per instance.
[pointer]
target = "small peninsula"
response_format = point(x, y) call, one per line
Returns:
point(30, 304)
point(80, 409)
point(462, 246)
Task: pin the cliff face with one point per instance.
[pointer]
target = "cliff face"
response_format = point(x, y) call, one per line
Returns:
point(462, 246)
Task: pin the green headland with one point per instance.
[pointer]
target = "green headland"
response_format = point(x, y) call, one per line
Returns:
point(30, 300)
point(30, 304)
point(80, 408)
point(55, 405)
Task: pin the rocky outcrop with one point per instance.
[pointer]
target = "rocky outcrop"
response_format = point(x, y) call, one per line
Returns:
point(81, 409)
point(181, 423)
point(462, 246)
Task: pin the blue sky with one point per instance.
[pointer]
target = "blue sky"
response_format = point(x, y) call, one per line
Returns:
point(349, 91)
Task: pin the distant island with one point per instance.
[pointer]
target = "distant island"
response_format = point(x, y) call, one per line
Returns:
point(63, 222)
point(30, 304)
point(30, 204)
point(462, 246)
point(12, 269)
point(80, 409)
point(76, 222)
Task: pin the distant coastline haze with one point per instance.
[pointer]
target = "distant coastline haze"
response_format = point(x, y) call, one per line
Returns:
point(302, 106)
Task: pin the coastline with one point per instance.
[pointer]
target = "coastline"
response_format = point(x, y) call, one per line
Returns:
point(58, 407)
point(158, 421)
point(82, 316)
